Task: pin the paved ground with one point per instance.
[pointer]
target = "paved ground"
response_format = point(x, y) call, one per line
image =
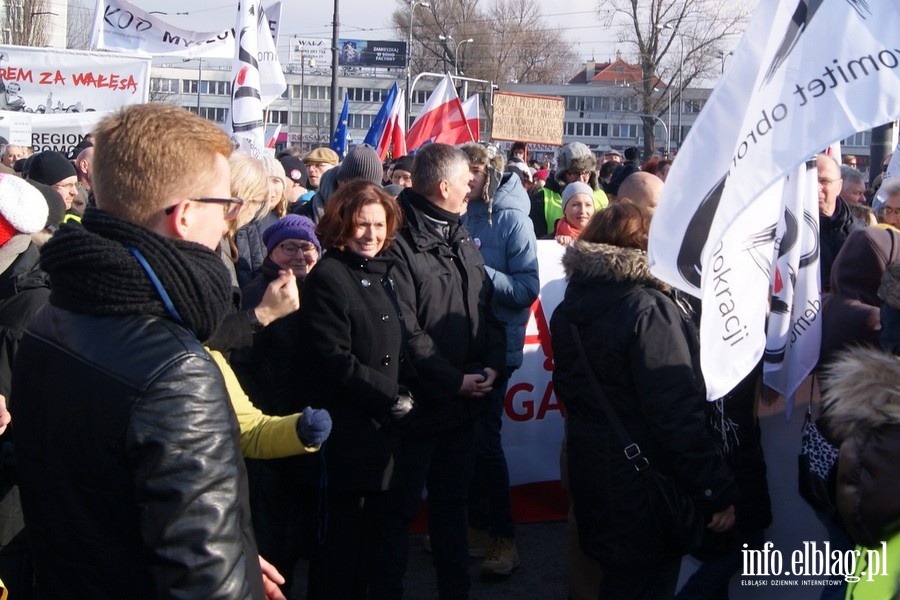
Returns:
point(542, 574)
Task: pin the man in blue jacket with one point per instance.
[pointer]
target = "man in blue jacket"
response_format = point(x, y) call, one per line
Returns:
point(497, 218)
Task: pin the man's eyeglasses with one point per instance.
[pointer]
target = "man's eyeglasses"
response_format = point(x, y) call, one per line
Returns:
point(888, 210)
point(231, 206)
point(826, 181)
point(308, 251)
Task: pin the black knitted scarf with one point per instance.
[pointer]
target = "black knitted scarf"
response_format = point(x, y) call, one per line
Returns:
point(92, 271)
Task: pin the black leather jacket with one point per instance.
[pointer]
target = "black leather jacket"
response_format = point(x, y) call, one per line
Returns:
point(131, 479)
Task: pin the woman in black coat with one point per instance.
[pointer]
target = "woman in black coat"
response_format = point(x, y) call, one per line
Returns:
point(642, 349)
point(353, 342)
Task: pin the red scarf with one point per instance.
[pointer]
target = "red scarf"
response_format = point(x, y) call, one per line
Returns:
point(564, 228)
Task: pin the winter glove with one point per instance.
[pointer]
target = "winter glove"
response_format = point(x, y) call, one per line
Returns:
point(313, 426)
point(402, 406)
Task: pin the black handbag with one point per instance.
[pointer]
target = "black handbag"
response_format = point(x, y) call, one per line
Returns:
point(677, 516)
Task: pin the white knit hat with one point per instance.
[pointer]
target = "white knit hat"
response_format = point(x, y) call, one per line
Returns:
point(21, 204)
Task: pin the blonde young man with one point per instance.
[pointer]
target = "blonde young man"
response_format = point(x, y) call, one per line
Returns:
point(131, 475)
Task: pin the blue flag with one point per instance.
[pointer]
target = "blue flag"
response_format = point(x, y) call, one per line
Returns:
point(340, 139)
point(380, 123)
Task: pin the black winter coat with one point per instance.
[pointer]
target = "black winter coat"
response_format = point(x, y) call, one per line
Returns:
point(267, 370)
point(24, 289)
point(643, 351)
point(833, 231)
point(445, 299)
point(132, 419)
point(353, 344)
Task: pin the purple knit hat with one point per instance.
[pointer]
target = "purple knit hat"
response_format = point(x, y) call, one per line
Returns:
point(291, 227)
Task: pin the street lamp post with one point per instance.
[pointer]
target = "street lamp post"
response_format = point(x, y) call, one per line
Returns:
point(302, 91)
point(456, 55)
point(680, 78)
point(723, 56)
point(412, 9)
point(446, 51)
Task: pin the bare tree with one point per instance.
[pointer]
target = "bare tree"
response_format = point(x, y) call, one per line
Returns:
point(79, 25)
point(677, 42)
point(510, 40)
point(28, 22)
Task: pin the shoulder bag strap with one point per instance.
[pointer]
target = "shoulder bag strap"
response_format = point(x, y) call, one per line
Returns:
point(631, 449)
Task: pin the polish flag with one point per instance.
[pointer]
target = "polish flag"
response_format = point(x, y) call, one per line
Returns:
point(387, 127)
point(434, 123)
point(472, 124)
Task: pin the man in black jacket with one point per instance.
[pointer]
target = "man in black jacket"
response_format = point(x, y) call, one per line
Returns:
point(132, 481)
point(836, 222)
point(457, 347)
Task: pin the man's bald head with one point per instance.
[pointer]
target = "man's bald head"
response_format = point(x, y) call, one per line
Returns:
point(642, 189)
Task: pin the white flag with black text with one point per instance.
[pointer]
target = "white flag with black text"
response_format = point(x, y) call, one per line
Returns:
point(806, 73)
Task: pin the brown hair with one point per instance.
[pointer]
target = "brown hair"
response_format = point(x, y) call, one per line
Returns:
point(338, 225)
point(650, 165)
point(147, 153)
point(624, 225)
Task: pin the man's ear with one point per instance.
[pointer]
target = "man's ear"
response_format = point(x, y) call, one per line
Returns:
point(176, 224)
point(444, 187)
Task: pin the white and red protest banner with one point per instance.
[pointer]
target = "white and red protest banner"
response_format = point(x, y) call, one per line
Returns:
point(532, 415)
point(800, 79)
point(47, 80)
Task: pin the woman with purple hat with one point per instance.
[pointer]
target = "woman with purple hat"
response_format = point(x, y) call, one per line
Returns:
point(267, 372)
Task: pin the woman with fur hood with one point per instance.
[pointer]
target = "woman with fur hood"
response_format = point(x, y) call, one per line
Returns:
point(642, 348)
point(861, 416)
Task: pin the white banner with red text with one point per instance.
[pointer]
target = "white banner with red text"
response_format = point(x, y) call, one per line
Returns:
point(48, 81)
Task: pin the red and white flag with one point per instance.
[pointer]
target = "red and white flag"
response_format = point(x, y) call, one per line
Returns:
point(434, 123)
point(472, 124)
point(805, 74)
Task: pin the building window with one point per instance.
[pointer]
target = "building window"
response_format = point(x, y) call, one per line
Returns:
point(863, 138)
point(360, 121)
point(624, 130)
point(317, 92)
point(625, 104)
point(213, 88)
point(277, 117)
point(189, 86)
point(693, 107)
point(165, 86)
point(315, 119)
point(209, 112)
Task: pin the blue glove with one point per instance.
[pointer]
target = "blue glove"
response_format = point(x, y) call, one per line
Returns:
point(313, 426)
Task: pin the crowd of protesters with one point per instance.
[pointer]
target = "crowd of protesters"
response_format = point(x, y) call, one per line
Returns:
point(218, 371)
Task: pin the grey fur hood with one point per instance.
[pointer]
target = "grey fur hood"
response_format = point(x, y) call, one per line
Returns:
point(862, 391)
point(587, 260)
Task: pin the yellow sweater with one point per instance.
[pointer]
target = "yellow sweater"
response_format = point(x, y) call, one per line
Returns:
point(262, 436)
